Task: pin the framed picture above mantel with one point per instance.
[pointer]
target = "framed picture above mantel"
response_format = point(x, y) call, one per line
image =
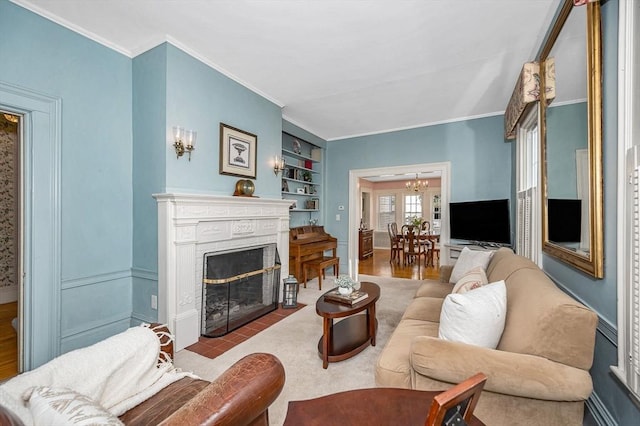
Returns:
point(238, 152)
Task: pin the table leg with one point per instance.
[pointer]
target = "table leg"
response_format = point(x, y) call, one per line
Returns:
point(371, 319)
point(327, 325)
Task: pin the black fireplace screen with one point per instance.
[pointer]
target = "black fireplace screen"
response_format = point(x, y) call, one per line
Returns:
point(238, 287)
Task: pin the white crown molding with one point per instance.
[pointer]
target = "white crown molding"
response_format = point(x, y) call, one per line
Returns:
point(73, 27)
point(143, 47)
point(204, 60)
point(416, 126)
point(302, 126)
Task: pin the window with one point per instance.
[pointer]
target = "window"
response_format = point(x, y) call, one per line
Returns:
point(386, 211)
point(412, 207)
point(527, 216)
point(628, 368)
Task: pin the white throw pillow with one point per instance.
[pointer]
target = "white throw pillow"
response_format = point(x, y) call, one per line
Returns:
point(475, 278)
point(61, 406)
point(476, 317)
point(468, 260)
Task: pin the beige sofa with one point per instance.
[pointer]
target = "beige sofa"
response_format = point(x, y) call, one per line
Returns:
point(538, 374)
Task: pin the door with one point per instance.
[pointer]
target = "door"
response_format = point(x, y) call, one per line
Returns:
point(10, 231)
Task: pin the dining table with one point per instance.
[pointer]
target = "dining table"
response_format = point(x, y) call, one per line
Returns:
point(422, 237)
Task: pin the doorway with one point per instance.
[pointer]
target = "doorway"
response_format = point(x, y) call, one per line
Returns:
point(10, 243)
point(442, 169)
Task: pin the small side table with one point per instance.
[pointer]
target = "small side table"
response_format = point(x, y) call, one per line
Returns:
point(354, 333)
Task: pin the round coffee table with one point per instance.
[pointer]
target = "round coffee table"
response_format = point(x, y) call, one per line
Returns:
point(354, 333)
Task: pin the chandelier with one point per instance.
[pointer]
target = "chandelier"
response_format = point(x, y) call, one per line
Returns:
point(417, 184)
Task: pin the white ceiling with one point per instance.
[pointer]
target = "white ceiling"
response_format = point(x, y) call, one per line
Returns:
point(338, 68)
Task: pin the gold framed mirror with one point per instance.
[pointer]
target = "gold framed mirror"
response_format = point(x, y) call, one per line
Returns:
point(571, 139)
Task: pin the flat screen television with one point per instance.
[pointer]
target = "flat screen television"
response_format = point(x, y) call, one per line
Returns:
point(485, 221)
point(564, 220)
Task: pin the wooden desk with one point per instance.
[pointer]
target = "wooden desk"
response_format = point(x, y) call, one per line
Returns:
point(379, 406)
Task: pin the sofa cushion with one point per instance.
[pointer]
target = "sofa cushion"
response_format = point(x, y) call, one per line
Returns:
point(505, 262)
point(473, 279)
point(543, 320)
point(393, 368)
point(434, 289)
point(468, 260)
point(424, 309)
point(61, 406)
point(476, 317)
point(497, 257)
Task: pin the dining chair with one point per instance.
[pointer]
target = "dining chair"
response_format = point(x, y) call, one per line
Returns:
point(412, 248)
point(396, 243)
point(455, 406)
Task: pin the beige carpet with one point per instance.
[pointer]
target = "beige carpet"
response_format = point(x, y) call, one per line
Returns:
point(294, 340)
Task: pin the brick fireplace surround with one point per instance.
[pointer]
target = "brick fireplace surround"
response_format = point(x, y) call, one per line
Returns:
point(190, 225)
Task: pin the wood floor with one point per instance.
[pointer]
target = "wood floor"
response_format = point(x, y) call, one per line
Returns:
point(379, 265)
point(8, 341)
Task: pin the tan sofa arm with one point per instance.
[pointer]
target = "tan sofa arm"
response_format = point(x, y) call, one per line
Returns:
point(445, 273)
point(241, 395)
point(509, 373)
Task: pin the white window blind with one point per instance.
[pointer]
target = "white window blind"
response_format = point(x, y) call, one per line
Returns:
point(525, 211)
point(632, 220)
point(527, 242)
point(628, 366)
point(386, 211)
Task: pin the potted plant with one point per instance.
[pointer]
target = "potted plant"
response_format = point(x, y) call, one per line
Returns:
point(416, 221)
point(346, 285)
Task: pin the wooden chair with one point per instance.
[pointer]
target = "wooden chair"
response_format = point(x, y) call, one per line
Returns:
point(455, 406)
point(412, 245)
point(396, 242)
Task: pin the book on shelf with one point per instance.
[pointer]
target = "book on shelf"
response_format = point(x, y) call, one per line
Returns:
point(346, 299)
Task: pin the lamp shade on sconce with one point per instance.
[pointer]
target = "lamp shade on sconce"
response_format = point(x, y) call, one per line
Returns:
point(184, 140)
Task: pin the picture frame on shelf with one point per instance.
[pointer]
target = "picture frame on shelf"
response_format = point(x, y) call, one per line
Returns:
point(238, 152)
point(300, 190)
point(297, 148)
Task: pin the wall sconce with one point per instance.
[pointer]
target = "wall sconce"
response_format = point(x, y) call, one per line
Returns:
point(278, 165)
point(185, 140)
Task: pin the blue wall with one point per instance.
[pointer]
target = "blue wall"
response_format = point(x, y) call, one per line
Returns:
point(173, 88)
point(94, 85)
point(481, 162)
point(116, 152)
point(149, 174)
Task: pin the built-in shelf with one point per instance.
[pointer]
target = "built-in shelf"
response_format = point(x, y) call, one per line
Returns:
point(292, 154)
point(302, 161)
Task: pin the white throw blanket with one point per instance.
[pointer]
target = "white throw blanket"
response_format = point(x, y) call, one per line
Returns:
point(119, 373)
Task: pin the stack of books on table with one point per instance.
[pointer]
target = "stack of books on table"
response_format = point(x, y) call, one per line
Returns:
point(346, 299)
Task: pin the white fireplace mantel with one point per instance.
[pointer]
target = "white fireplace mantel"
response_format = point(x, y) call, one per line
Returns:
point(190, 225)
